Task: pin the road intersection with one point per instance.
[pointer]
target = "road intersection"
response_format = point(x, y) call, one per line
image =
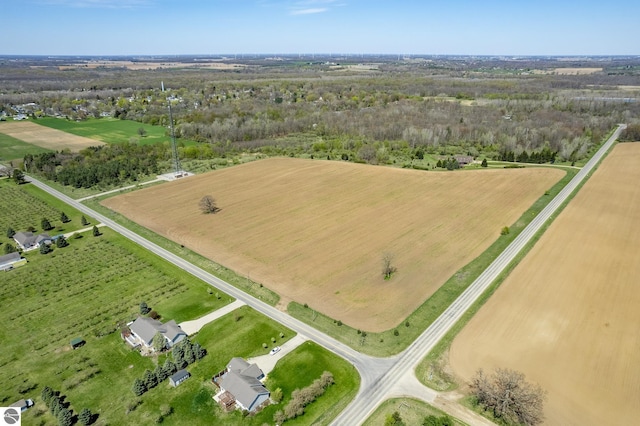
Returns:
point(381, 378)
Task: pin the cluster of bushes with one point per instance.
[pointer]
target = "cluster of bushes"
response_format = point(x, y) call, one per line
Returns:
point(183, 354)
point(300, 398)
point(536, 157)
point(62, 411)
point(449, 164)
point(395, 419)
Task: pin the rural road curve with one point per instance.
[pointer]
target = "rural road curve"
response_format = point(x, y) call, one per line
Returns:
point(379, 376)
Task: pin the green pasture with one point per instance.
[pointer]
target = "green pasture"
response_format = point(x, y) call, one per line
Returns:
point(412, 412)
point(113, 131)
point(15, 149)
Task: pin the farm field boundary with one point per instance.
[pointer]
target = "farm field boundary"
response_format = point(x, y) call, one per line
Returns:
point(45, 137)
point(574, 315)
point(308, 223)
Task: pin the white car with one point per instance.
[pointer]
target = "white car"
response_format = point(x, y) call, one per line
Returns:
point(274, 350)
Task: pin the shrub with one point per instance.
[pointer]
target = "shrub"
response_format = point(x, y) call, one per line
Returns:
point(504, 231)
point(396, 332)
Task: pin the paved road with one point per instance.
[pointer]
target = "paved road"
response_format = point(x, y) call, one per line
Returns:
point(369, 398)
point(379, 376)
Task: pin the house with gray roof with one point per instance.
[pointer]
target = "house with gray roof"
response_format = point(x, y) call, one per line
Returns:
point(29, 241)
point(144, 329)
point(242, 382)
point(11, 260)
point(179, 377)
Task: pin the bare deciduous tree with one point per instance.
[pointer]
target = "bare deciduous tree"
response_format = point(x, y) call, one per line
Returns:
point(208, 204)
point(509, 396)
point(387, 267)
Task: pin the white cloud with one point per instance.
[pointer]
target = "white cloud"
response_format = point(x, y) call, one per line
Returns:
point(100, 4)
point(308, 11)
point(309, 7)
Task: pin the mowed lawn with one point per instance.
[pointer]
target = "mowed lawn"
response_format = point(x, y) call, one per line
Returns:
point(112, 131)
point(567, 316)
point(316, 231)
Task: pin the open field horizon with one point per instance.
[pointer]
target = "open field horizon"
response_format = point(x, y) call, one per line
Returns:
point(316, 231)
point(567, 315)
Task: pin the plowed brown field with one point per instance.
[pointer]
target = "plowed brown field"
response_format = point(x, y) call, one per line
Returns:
point(316, 231)
point(46, 137)
point(568, 315)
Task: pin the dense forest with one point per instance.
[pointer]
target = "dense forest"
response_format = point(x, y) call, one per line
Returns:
point(376, 110)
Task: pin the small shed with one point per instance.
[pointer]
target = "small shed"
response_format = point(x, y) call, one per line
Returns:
point(179, 377)
point(77, 342)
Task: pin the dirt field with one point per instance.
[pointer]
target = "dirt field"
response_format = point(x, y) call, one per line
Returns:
point(316, 231)
point(46, 137)
point(568, 316)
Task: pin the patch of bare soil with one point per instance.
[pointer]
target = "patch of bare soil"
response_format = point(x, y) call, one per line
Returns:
point(568, 316)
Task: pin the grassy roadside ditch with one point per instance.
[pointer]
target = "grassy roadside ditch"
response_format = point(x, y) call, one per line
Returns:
point(433, 371)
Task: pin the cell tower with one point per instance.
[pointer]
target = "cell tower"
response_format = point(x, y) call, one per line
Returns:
point(177, 168)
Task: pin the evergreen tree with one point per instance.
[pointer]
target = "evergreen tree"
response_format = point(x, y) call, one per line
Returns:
point(484, 163)
point(46, 395)
point(178, 356)
point(150, 379)
point(45, 224)
point(10, 232)
point(44, 248)
point(159, 372)
point(61, 241)
point(83, 221)
point(65, 417)
point(64, 218)
point(96, 231)
point(85, 417)
point(159, 343)
point(139, 387)
point(199, 351)
point(144, 308)
point(9, 248)
point(168, 368)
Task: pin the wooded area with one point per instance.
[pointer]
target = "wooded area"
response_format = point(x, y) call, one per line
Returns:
point(391, 111)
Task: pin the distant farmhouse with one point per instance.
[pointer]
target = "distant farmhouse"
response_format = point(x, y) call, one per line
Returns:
point(463, 160)
point(241, 387)
point(144, 329)
point(11, 260)
point(28, 241)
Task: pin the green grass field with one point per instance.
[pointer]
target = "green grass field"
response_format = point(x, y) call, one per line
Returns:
point(112, 131)
point(412, 412)
point(93, 287)
point(14, 149)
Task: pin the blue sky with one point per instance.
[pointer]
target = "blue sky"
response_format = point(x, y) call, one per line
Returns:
point(156, 27)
